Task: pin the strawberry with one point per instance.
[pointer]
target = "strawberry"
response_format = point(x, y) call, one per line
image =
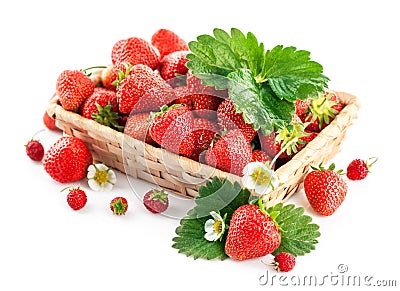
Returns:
point(301, 106)
point(229, 119)
point(137, 126)
point(231, 153)
point(50, 122)
point(142, 90)
point(156, 201)
point(196, 86)
point(183, 97)
point(322, 111)
point(134, 51)
point(119, 205)
point(251, 234)
point(325, 190)
point(358, 169)
point(34, 149)
point(73, 87)
point(168, 42)
point(171, 128)
point(173, 65)
point(76, 198)
point(204, 133)
point(260, 156)
point(67, 160)
point(284, 262)
point(108, 76)
point(102, 106)
point(205, 106)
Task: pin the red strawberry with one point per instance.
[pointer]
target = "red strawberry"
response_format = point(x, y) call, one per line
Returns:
point(229, 119)
point(205, 106)
point(204, 133)
point(167, 42)
point(322, 111)
point(73, 87)
point(108, 76)
point(171, 128)
point(251, 234)
point(358, 169)
point(119, 205)
point(142, 90)
point(34, 149)
point(102, 106)
point(137, 126)
point(76, 198)
point(67, 160)
point(301, 106)
point(231, 153)
point(183, 97)
point(284, 262)
point(156, 201)
point(49, 122)
point(260, 156)
point(173, 65)
point(325, 190)
point(196, 86)
point(134, 51)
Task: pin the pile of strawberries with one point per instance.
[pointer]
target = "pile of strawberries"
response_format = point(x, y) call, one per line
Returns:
point(148, 93)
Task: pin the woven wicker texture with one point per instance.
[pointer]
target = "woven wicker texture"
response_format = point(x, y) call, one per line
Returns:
point(184, 176)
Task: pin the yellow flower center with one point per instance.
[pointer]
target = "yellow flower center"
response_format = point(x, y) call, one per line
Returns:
point(218, 226)
point(261, 176)
point(101, 177)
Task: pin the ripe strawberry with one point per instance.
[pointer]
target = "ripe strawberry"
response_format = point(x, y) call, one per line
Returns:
point(196, 86)
point(142, 90)
point(325, 190)
point(67, 160)
point(34, 149)
point(284, 262)
point(156, 201)
point(260, 156)
point(76, 198)
point(171, 128)
point(229, 119)
point(231, 153)
point(50, 122)
point(168, 42)
point(119, 205)
point(205, 106)
point(204, 133)
point(137, 126)
point(251, 234)
point(108, 76)
point(358, 169)
point(134, 51)
point(102, 106)
point(301, 106)
point(322, 111)
point(73, 87)
point(174, 64)
point(183, 96)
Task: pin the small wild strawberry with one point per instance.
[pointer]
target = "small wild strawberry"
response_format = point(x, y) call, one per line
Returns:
point(119, 205)
point(284, 262)
point(156, 201)
point(34, 150)
point(76, 198)
point(358, 169)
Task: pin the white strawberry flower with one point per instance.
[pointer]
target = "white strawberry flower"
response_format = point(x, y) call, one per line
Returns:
point(215, 227)
point(260, 177)
point(101, 178)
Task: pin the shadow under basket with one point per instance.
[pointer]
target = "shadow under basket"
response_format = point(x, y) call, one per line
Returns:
point(178, 174)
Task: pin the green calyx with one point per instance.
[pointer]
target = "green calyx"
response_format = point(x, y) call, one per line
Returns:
point(321, 108)
point(163, 109)
point(70, 188)
point(290, 136)
point(107, 117)
point(160, 196)
point(118, 206)
point(122, 75)
point(331, 167)
point(370, 161)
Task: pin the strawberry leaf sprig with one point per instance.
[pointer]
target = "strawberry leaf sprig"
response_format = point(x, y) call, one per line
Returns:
point(262, 84)
point(298, 233)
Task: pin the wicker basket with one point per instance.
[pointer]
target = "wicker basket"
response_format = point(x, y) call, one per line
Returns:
point(184, 176)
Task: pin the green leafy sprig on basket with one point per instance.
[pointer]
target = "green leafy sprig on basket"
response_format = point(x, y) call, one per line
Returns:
point(263, 84)
point(298, 233)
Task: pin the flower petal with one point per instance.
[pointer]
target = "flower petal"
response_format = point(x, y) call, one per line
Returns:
point(94, 185)
point(209, 225)
point(91, 172)
point(112, 178)
point(249, 182)
point(211, 236)
point(101, 167)
point(216, 216)
point(107, 186)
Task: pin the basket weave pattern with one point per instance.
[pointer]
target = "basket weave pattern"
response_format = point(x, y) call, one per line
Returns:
point(184, 176)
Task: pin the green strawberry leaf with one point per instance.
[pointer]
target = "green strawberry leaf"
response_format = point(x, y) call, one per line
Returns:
point(298, 233)
point(291, 74)
point(217, 195)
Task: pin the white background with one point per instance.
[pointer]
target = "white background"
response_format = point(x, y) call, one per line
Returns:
point(44, 245)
